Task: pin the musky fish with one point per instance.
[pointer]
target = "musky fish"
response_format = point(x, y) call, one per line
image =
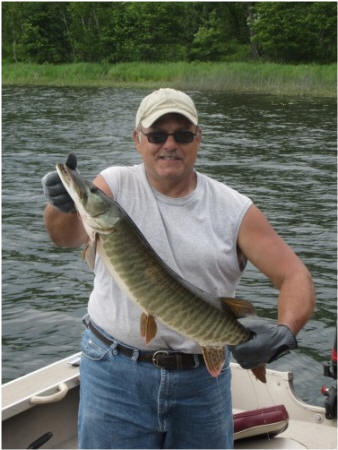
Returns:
point(160, 292)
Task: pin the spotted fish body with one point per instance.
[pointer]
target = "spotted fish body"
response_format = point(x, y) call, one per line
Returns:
point(161, 293)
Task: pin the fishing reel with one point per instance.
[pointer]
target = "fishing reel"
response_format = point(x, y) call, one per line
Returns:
point(330, 370)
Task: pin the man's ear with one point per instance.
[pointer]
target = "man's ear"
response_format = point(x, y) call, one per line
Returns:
point(136, 138)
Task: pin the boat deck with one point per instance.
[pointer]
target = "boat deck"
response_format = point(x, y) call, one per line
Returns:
point(47, 401)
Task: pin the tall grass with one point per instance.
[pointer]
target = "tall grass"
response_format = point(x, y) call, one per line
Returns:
point(259, 77)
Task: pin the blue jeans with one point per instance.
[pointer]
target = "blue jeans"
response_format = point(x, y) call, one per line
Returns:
point(129, 404)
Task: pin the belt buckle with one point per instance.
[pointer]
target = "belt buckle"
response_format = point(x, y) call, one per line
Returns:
point(154, 357)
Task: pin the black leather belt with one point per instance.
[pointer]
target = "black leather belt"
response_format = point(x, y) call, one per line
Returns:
point(162, 359)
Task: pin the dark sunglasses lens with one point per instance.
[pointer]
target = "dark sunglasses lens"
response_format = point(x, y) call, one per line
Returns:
point(184, 137)
point(159, 137)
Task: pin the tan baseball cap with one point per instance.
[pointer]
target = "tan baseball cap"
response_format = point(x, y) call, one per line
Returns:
point(164, 101)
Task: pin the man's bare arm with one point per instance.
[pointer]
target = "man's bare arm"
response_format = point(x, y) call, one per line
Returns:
point(270, 254)
point(64, 229)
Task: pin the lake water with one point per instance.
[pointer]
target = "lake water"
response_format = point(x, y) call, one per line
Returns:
point(280, 151)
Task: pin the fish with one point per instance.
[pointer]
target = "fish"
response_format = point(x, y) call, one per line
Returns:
point(161, 293)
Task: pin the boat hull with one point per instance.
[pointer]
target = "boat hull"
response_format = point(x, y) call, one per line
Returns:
point(46, 401)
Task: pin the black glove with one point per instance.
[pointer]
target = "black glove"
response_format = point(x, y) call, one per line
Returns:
point(269, 341)
point(55, 191)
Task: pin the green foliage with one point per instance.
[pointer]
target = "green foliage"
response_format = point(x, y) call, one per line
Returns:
point(35, 31)
point(223, 34)
point(113, 32)
point(291, 32)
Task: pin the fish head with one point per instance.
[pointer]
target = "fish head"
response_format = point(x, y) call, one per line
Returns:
point(93, 205)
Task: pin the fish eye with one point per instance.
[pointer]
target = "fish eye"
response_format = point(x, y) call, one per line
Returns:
point(94, 189)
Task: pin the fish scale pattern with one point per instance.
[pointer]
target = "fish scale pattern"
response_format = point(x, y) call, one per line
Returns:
point(160, 294)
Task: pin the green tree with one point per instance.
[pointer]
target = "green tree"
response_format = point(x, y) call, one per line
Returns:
point(56, 32)
point(296, 32)
point(36, 31)
point(90, 24)
point(11, 32)
point(223, 34)
point(161, 30)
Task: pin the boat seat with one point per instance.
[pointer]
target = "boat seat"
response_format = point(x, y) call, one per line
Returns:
point(263, 422)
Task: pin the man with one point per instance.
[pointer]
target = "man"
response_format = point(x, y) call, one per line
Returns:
point(161, 395)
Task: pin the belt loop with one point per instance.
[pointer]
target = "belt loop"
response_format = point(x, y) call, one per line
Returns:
point(197, 361)
point(115, 348)
point(135, 356)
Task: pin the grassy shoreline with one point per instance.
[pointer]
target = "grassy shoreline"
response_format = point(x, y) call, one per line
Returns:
point(256, 77)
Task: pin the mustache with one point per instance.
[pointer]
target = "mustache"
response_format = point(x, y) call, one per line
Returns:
point(169, 155)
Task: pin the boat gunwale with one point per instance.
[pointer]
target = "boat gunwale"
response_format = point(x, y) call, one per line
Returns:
point(12, 407)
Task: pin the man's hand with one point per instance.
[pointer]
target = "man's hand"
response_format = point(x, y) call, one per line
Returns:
point(54, 190)
point(269, 341)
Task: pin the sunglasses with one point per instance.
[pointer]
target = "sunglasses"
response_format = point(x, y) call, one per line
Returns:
point(159, 137)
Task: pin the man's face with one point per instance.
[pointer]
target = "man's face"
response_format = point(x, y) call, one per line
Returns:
point(169, 161)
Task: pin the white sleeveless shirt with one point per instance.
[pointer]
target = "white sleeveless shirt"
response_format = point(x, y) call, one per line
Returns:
point(195, 235)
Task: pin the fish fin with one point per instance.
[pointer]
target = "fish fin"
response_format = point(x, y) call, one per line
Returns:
point(214, 358)
point(240, 308)
point(89, 252)
point(260, 373)
point(148, 327)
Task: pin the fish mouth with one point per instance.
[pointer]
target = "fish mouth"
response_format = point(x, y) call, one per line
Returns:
point(72, 180)
point(63, 169)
